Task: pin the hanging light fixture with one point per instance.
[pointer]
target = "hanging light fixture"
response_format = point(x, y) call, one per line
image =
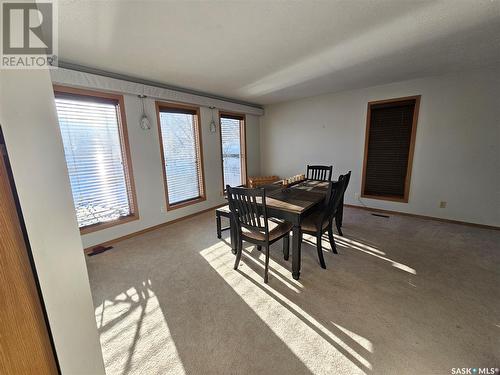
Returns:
point(144, 122)
point(213, 127)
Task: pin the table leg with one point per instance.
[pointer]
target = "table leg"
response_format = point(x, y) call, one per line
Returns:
point(296, 248)
point(232, 231)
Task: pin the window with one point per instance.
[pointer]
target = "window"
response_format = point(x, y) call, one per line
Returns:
point(390, 140)
point(233, 149)
point(96, 148)
point(180, 143)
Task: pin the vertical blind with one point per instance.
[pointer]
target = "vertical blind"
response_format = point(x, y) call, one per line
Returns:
point(389, 137)
point(181, 154)
point(90, 130)
point(232, 158)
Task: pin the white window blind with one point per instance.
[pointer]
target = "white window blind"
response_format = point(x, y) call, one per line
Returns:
point(92, 139)
point(181, 154)
point(232, 146)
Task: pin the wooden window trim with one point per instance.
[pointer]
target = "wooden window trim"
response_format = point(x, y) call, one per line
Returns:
point(199, 144)
point(411, 149)
point(126, 156)
point(243, 139)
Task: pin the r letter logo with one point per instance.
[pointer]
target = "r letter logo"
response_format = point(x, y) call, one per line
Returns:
point(28, 35)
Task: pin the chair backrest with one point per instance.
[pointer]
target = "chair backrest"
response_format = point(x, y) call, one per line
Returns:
point(248, 207)
point(332, 201)
point(347, 177)
point(336, 197)
point(319, 172)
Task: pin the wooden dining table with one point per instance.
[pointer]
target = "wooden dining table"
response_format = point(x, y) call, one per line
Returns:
point(293, 204)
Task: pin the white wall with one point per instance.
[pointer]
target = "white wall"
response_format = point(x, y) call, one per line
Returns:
point(148, 173)
point(29, 123)
point(456, 153)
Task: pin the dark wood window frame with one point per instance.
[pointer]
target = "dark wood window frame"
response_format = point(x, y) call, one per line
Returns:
point(199, 150)
point(243, 141)
point(125, 149)
point(411, 148)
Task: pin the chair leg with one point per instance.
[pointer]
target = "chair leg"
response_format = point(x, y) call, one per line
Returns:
point(219, 226)
point(266, 270)
point(339, 217)
point(338, 224)
point(239, 250)
point(320, 250)
point(332, 240)
point(286, 246)
point(234, 236)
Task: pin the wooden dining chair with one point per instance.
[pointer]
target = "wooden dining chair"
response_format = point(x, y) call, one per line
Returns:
point(248, 207)
point(319, 172)
point(321, 220)
point(340, 212)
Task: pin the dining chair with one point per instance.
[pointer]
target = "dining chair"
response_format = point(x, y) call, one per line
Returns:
point(248, 207)
point(319, 172)
point(340, 212)
point(321, 220)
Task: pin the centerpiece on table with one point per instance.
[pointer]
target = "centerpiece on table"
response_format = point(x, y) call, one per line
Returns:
point(290, 181)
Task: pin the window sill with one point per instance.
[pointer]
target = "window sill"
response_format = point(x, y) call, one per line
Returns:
point(385, 198)
point(175, 206)
point(100, 226)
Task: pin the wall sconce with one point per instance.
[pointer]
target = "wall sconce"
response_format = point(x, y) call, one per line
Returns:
point(213, 127)
point(144, 122)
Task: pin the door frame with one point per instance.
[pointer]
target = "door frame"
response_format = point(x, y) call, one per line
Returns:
point(19, 218)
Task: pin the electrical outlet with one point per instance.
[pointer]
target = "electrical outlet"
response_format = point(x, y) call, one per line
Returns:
point(442, 204)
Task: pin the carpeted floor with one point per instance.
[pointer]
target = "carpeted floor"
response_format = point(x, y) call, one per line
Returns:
point(404, 296)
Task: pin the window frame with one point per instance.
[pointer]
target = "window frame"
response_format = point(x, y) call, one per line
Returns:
point(411, 148)
point(243, 145)
point(125, 150)
point(199, 146)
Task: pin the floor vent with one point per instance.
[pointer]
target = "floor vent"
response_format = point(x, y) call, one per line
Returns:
point(98, 250)
point(381, 215)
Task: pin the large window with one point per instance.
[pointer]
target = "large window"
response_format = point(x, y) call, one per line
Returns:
point(180, 143)
point(390, 140)
point(95, 143)
point(232, 133)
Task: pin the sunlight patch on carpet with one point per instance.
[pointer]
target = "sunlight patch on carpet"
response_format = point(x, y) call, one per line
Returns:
point(356, 246)
point(134, 335)
point(315, 346)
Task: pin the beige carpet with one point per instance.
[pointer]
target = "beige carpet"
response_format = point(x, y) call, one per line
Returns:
point(404, 296)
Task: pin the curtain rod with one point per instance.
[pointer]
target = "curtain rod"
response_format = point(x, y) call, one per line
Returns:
point(124, 77)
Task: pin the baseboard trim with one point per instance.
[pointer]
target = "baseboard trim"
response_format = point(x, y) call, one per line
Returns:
point(154, 227)
point(484, 226)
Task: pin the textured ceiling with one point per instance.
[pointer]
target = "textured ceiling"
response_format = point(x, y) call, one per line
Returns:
point(270, 51)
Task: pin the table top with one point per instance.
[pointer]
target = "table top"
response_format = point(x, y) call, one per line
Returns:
point(298, 198)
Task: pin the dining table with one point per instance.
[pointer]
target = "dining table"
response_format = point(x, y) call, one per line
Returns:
point(292, 203)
